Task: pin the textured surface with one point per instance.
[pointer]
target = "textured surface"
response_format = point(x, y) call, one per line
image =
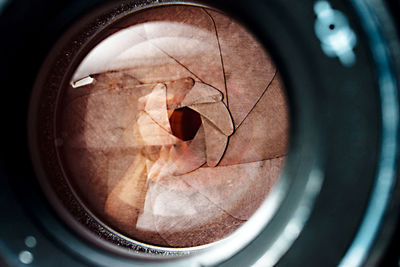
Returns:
point(118, 148)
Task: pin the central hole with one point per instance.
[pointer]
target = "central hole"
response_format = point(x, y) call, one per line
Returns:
point(185, 123)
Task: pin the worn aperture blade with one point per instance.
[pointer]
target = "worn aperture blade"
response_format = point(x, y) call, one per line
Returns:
point(237, 189)
point(215, 143)
point(132, 203)
point(156, 106)
point(193, 156)
point(152, 133)
point(246, 79)
point(190, 40)
point(201, 93)
point(184, 217)
point(177, 91)
point(217, 114)
point(265, 132)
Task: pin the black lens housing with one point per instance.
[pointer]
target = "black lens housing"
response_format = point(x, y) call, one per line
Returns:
point(343, 160)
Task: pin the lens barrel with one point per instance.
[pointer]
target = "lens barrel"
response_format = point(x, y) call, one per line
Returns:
point(337, 201)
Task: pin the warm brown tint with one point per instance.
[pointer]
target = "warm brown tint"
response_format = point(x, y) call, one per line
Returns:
point(185, 123)
point(183, 131)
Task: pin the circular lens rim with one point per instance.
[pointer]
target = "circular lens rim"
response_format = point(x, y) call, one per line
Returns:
point(315, 161)
point(247, 233)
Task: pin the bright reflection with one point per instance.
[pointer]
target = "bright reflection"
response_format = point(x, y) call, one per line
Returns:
point(145, 45)
point(333, 30)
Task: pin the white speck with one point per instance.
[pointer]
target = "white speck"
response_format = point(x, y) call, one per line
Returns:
point(82, 82)
point(25, 257)
point(30, 241)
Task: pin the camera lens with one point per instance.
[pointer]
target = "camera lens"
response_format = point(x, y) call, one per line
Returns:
point(199, 133)
point(173, 129)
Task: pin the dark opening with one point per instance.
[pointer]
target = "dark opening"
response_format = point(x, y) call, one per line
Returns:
point(185, 123)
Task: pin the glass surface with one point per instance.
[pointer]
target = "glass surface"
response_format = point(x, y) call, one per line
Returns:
point(175, 129)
